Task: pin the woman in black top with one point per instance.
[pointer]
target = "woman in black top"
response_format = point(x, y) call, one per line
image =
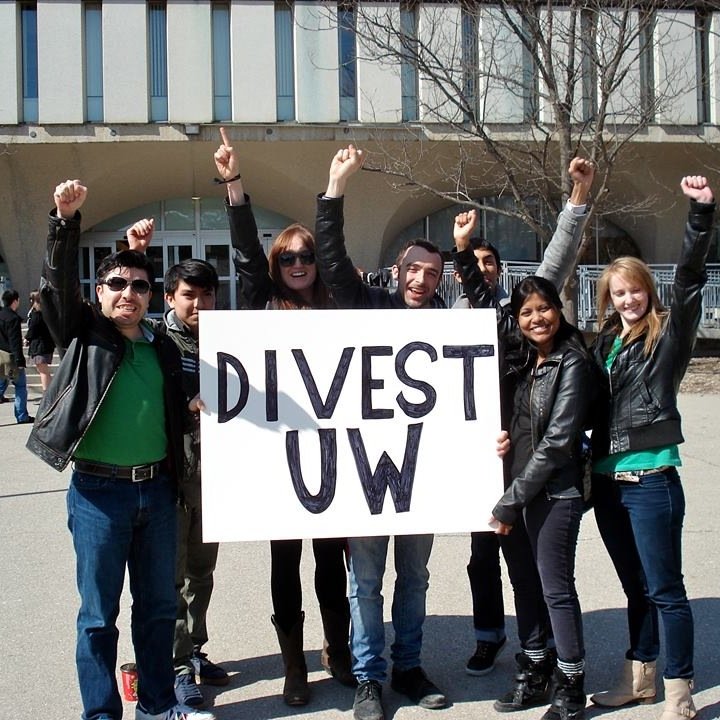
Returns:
point(288, 280)
point(550, 371)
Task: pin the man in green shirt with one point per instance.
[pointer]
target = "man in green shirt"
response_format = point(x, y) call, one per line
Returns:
point(116, 408)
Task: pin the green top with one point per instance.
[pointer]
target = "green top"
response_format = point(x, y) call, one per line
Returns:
point(129, 426)
point(634, 459)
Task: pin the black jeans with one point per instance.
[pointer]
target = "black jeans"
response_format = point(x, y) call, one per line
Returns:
point(553, 526)
point(330, 578)
point(617, 535)
point(486, 587)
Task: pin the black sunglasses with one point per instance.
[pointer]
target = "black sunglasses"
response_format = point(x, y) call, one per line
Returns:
point(118, 284)
point(287, 259)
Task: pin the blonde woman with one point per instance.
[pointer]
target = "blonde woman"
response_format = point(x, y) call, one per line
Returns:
point(644, 350)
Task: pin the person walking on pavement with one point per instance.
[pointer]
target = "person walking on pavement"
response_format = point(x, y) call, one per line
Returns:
point(11, 342)
point(40, 343)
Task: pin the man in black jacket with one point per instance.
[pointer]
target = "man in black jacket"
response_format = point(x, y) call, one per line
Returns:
point(418, 271)
point(116, 408)
point(11, 342)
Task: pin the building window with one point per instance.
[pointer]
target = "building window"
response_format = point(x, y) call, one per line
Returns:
point(530, 79)
point(702, 45)
point(93, 62)
point(348, 63)
point(28, 25)
point(588, 63)
point(408, 63)
point(647, 66)
point(222, 85)
point(157, 23)
point(284, 62)
point(470, 65)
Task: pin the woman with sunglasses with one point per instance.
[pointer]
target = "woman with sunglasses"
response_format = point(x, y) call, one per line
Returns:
point(288, 280)
point(643, 349)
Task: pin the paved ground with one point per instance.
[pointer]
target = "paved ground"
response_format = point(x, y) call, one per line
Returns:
point(38, 604)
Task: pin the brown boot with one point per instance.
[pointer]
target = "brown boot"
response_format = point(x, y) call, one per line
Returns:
point(678, 701)
point(636, 685)
point(335, 657)
point(295, 690)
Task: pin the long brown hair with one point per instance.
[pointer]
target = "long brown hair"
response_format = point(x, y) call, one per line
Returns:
point(636, 272)
point(285, 298)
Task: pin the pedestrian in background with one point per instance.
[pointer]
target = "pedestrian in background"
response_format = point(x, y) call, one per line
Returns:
point(41, 345)
point(11, 342)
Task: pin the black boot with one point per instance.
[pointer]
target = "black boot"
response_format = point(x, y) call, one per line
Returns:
point(295, 690)
point(569, 700)
point(335, 657)
point(532, 685)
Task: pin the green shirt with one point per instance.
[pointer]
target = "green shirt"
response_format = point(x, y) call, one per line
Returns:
point(634, 459)
point(129, 426)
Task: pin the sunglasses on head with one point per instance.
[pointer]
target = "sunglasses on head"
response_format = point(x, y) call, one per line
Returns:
point(287, 259)
point(118, 284)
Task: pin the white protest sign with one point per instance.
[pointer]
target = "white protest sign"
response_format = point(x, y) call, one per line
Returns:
point(344, 423)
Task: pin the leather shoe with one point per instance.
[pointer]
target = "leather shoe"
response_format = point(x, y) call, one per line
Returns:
point(415, 684)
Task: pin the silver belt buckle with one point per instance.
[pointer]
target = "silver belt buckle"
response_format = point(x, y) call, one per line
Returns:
point(627, 476)
point(141, 473)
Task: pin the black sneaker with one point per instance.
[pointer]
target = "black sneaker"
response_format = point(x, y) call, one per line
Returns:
point(415, 684)
point(29, 420)
point(208, 672)
point(483, 661)
point(187, 692)
point(368, 701)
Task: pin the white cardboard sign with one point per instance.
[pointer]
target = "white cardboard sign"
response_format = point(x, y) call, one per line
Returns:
point(344, 423)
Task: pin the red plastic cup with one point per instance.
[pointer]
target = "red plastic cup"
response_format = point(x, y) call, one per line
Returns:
point(129, 681)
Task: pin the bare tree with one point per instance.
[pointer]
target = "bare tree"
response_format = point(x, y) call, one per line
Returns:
point(508, 92)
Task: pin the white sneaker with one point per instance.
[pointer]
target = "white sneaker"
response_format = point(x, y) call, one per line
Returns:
point(179, 712)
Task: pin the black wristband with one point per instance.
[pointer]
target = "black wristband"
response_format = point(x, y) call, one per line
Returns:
point(220, 181)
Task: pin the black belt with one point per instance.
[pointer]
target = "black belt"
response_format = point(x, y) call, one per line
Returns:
point(635, 475)
point(135, 473)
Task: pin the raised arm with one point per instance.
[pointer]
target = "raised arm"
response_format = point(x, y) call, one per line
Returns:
point(249, 258)
point(345, 163)
point(334, 265)
point(228, 166)
point(60, 297)
point(140, 234)
point(690, 274)
point(479, 292)
point(560, 254)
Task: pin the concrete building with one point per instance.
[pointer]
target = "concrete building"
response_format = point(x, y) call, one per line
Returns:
point(128, 96)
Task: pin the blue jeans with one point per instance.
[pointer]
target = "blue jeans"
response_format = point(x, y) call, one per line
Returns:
point(368, 556)
point(616, 531)
point(20, 383)
point(656, 506)
point(114, 524)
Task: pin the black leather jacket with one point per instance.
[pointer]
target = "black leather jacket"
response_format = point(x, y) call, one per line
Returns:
point(337, 270)
point(95, 349)
point(641, 411)
point(560, 400)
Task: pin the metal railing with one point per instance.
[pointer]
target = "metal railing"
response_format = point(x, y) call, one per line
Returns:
point(587, 277)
